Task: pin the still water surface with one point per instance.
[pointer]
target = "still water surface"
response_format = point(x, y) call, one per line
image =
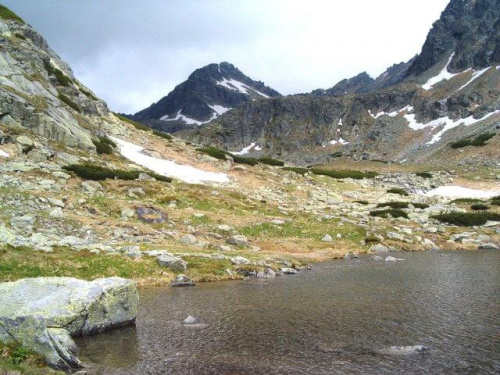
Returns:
point(332, 320)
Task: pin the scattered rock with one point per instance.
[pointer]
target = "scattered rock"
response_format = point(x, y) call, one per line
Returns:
point(91, 186)
point(488, 246)
point(171, 261)
point(182, 280)
point(188, 239)
point(379, 248)
point(327, 238)
point(289, 271)
point(151, 215)
point(238, 240)
point(225, 228)
point(239, 260)
point(190, 320)
point(56, 213)
point(136, 192)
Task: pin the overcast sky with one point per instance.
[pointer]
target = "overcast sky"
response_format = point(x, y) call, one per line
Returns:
point(131, 53)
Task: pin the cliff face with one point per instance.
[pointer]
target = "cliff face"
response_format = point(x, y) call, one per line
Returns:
point(413, 111)
point(38, 91)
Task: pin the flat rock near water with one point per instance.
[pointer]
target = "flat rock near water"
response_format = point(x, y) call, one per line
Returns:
point(44, 313)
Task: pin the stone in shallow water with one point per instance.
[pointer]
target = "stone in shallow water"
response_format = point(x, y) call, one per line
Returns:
point(404, 350)
point(182, 280)
point(44, 313)
point(190, 320)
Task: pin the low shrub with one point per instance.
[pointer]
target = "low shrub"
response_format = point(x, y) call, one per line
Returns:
point(243, 160)
point(271, 161)
point(357, 175)
point(466, 201)
point(298, 170)
point(98, 173)
point(467, 219)
point(398, 191)
point(397, 205)
point(495, 202)
point(20, 36)
point(362, 202)
point(213, 152)
point(63, 98)
point(162, 135)
point(337, 154)
point(479, 141)
point(479, 207)
point(135, 124)
point(371, 239)
point(159, 177)
point(88, 93)
point(424, 174)
point(104, 145)
point(7, 14)
point(61, 78)
point(420, 205)
point(392, 212)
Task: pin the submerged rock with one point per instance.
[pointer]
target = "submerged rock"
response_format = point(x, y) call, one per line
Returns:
point(404, 350)
point(43, 314)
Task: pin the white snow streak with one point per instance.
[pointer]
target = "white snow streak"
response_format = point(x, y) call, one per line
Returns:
point(340, 141)
point(220, 110)
point(247, 149)
point(168, 168)
point(461, 192)
point(4, 154)
point(446, 121)
point(408, 108)
point(180, 116)
point(475, 76)
point(444, 75)
point(235, 85)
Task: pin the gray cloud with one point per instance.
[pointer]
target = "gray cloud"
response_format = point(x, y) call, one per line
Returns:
point(131, 53)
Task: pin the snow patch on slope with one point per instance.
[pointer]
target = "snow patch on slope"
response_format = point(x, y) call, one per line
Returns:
point(168, 168)
point(180, 116)
point(408, 108)
point(475, 76)
point(4, 154)
point(235, 85)
point(446, 121)
point(247, 149)
point(461, 192)
point(444, 75)
point(220, 110)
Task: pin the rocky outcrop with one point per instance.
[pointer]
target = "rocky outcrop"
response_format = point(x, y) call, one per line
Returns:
point(354, 85)
point(43, 96)
point(43, 314)
point(205, 95)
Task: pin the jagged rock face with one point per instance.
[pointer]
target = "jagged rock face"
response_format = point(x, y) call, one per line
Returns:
point(207, 93)
point(39, 92)
point(354, 85)
point(471, 29)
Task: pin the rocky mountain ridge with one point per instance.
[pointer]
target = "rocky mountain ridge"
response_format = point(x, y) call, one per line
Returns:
point(208, 93)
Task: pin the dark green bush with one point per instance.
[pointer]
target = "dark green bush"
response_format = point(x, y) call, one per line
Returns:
point(398, 191)
point(424, 174)
point(102, 148)
point(479, 141)
point(364, 203)
point(162, 135)
point(420, 205)
point(337, 154)
point(357, 175)
point(7, 14)
point(298, 170)
point(243, 160)
point(496, 198)
point(271, 161)
point(467, 219)
point(391, 212)
point(479, 207)
point(135, 124)
point(98, 173)
point(495, 202)
point(62, 79)
point(213, 152)
point(466, 201)
point(63, 98)
point(88, 94)
point(20, 36)
point(394, 205)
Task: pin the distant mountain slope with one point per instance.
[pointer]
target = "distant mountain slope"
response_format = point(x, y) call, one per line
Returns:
point(413, 111)
point(205, 95)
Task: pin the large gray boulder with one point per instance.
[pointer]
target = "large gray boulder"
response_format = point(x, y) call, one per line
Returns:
point(43, 314)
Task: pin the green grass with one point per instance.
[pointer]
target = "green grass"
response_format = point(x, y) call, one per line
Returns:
point(357, 175)
point(297, 170)
point(479, 141)
point(420, 205)
point(424, 174)
point(16, 359)
point(98, 173)
point(7, 14)
point(135, 124)
point(69, 102)
point(467, 219)
point(213, 152)
point(62, 78)
point(395, 205)
point(162, 135)
point(271, 161)
point(392, 212)
point(479, 207)
point(88, 93)
point(495, 202)
point(20, 262)
point(399, 191)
